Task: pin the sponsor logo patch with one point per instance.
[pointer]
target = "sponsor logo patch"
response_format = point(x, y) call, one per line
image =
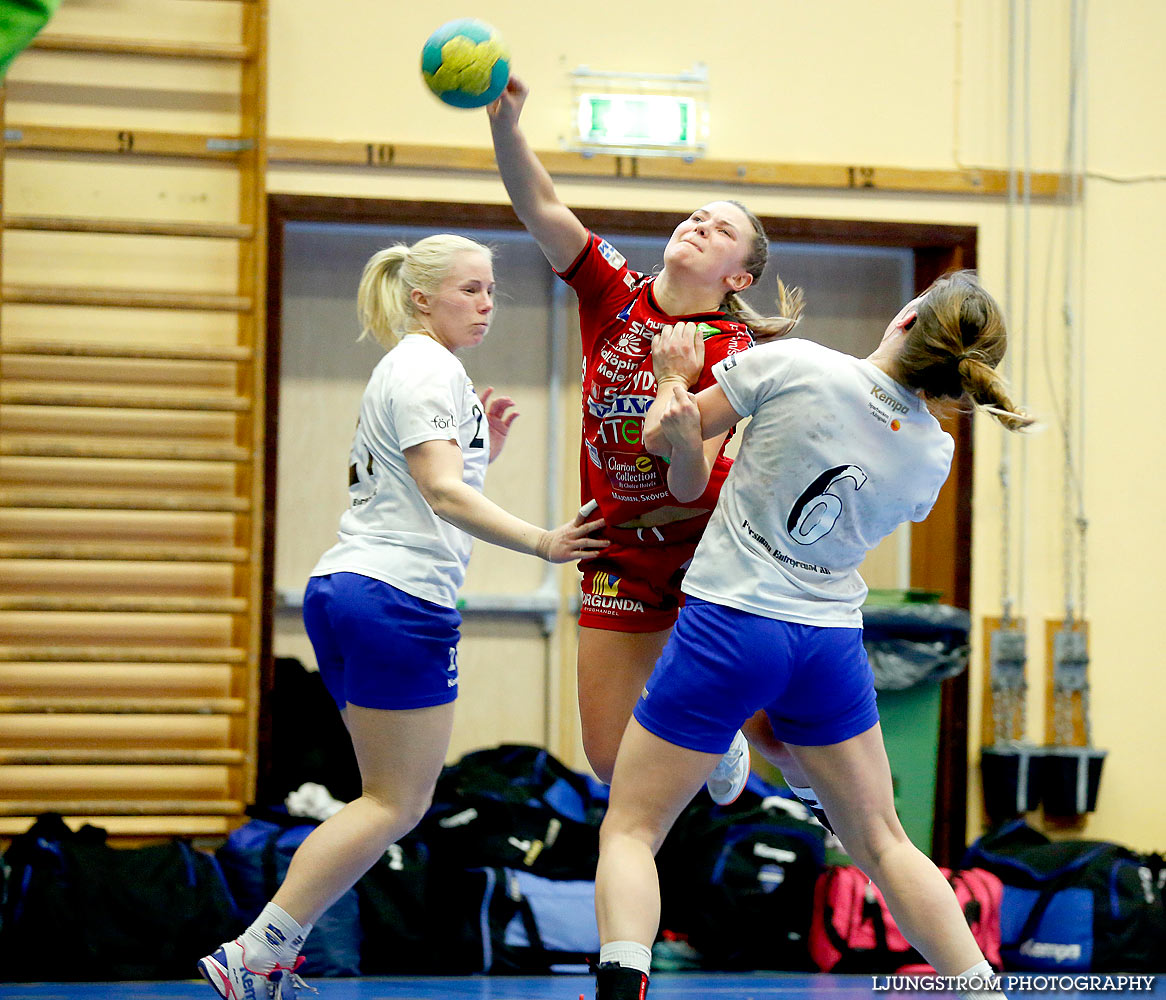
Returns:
point(605, 585)
point(611, 255)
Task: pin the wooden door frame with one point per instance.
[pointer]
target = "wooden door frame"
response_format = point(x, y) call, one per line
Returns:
point(940, 546)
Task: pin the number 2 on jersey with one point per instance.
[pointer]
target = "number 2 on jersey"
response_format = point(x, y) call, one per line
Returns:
point(818, 508)
point(477, 441)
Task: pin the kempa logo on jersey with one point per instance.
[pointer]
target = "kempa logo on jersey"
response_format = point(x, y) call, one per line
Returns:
point(888, 400)
point(605, 585)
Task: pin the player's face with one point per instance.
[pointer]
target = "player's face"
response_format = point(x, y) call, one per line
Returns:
point(459, 313)
point(713, 241)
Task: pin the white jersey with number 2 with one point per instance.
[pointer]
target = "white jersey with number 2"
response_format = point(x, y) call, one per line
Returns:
point(418, 392)
point(837, 455)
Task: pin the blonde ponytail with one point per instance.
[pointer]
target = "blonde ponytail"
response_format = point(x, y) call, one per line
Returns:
point(382, 300)
point(790, 305)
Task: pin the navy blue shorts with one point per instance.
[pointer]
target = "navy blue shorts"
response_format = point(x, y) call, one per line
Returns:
point(721, 665)
point(378, 647)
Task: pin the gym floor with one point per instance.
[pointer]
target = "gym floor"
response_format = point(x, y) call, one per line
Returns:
point(665, 986)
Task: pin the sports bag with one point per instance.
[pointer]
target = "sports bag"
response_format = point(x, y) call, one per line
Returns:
point(852, 931)
point(1075, 905)
point(78, 909)
point(402, 901)
point(737, 882)
point(255, 859)
point(517, 807)
point(423, 919)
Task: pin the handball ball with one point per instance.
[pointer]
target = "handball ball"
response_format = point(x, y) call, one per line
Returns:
point(466, 63)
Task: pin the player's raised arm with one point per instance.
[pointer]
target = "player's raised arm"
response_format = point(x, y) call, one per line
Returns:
point(559, 234)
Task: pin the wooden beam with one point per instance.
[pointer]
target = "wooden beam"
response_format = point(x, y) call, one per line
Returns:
point(969, 181)
point(176, 605)
point(127, 397)
point(975, 181)
point(122, 706)
point(126, 142)
point(154, 352)
point(121, 807)
point(128, 755)
point(125, 298)
point(53, 42)
point(129, 227)
point(119, 654)
point(64, 498)
point(77, 446)
point(121, 552)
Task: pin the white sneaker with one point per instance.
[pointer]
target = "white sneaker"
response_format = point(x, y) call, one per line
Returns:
point(226, 970)
point(728, 779)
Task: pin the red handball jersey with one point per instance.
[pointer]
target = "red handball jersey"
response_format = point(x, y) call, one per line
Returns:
point(618, 316)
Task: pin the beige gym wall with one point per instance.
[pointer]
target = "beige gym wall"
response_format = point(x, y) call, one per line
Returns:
point(909, 84)
point(920, 84)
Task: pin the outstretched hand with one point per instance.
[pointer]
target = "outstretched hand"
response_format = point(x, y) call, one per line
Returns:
point(678, 354)
point(571, 541)
point(508, 107)
point(500, 414)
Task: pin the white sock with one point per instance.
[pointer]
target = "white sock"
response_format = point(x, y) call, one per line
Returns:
point(629, 954)
point(982, 981)
point(273, 939)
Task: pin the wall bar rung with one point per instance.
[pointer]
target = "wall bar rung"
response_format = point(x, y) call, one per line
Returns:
point(150, 352)
point(129, 227)
point(48, 394)
point(123, 553)
point(69, 499)
point(121, 706)
point(141, 47)
point(125, 298)
point(177, 605)
point(224, 756)
point(122, 807)
point(119, 654)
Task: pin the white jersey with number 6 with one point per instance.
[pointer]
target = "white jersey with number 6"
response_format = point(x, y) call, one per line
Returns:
point(837, 455)
point(418, 392)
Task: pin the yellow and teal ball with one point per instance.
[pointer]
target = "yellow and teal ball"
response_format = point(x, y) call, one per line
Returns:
point(466, 63)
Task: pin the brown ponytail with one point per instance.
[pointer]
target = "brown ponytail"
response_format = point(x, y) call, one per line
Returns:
point(952, 350)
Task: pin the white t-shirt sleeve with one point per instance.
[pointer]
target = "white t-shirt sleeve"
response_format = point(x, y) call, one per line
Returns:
point(750, 377)
point(943, 467)
point(424, 407)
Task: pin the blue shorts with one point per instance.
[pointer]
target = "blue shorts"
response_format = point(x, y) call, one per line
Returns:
point(721, 665)
point(378, 647)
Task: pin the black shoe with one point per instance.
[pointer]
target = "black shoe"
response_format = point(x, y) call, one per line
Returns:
point(817, 810)
point(616, 982)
